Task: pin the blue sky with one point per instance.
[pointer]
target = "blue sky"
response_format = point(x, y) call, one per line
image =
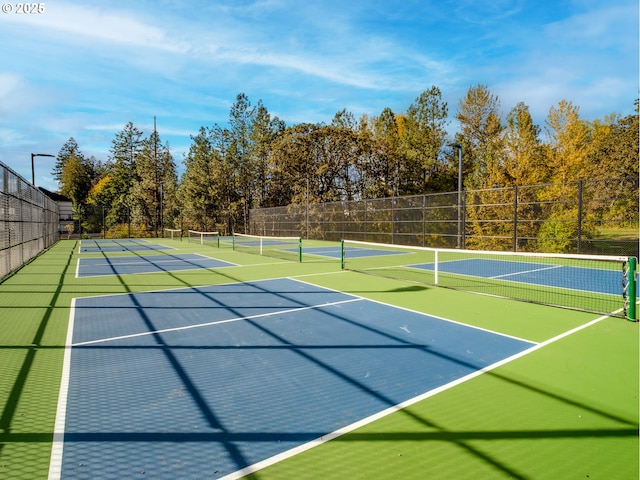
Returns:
point(84, 69)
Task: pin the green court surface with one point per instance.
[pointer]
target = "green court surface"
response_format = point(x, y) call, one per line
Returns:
point(566, 409)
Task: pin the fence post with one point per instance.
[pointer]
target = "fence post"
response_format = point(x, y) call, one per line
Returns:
point(307, 208)
point(631, 312)
point(515, 218)
point(393, 219)
point(366, 225)
point(464, 219)
point(579, 215)
point(424, 220)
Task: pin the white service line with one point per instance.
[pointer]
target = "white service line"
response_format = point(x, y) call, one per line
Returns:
point(217, 322)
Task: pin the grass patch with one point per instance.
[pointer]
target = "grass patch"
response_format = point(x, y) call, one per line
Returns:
point(628, 234)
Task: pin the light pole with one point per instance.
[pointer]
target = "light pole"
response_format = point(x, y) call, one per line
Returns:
point(33, 170)
point(459, 147)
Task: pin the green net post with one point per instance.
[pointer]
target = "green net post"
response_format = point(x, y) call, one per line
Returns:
point(300, 249)
point(631, 312)
point(233, 242)
point(342, 254)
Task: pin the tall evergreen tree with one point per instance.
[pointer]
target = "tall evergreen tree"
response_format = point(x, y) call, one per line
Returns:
point(199, 194)
point(125, 150)
point(264, 131)
point(154, 168)
point(344, 119)
point(239, 154)
point(385, 169)
point(290, 166)
point(423, 138)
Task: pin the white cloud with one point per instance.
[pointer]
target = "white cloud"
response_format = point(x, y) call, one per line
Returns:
point(84, 69)
point(330, 49)
point(589, 58)
point(487, 11)
point(10, 136)
point(600, 28)
point(103, 127)
point(19, 97)
point(99, 24)
point(8, 84)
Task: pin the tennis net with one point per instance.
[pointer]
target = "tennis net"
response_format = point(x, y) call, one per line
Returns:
point(285, 248)
point(204, 238)
point(599, 284)
point(173, 233)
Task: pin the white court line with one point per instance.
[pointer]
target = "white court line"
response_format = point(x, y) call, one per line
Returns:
point(377, 416)
point(55, 462)
point(149, 262)
point(513, 281)
point(189, 268)
point(55, 467)
point(527, 271)
point(217, 322)
point(444, 319)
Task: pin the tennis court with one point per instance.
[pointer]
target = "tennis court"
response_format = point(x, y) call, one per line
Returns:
point(560, 276)
point(121, 245)
point(95, 267)
point(256, 366)
point(586, 279)
point(221, 352)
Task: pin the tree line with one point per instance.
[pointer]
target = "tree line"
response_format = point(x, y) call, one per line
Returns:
point(256, 160)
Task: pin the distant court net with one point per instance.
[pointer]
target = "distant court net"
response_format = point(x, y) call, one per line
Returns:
point(285, 248)
point(599, 284)
point(204, 238)
point(173, 233)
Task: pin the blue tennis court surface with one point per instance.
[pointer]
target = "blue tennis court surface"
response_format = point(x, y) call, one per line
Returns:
point(93, 267)
point(119, 245)
point(568, 277)
point(202, 382)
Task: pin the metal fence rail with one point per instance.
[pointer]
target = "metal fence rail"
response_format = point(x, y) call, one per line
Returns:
point(28, 221)
point(577, 217)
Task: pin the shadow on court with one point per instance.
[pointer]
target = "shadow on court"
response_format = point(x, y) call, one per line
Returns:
point(30, 358)
point(243, 444)
point(237, 445)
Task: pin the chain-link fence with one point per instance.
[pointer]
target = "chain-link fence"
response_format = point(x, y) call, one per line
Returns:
point(589, 216)
point(29, 221)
